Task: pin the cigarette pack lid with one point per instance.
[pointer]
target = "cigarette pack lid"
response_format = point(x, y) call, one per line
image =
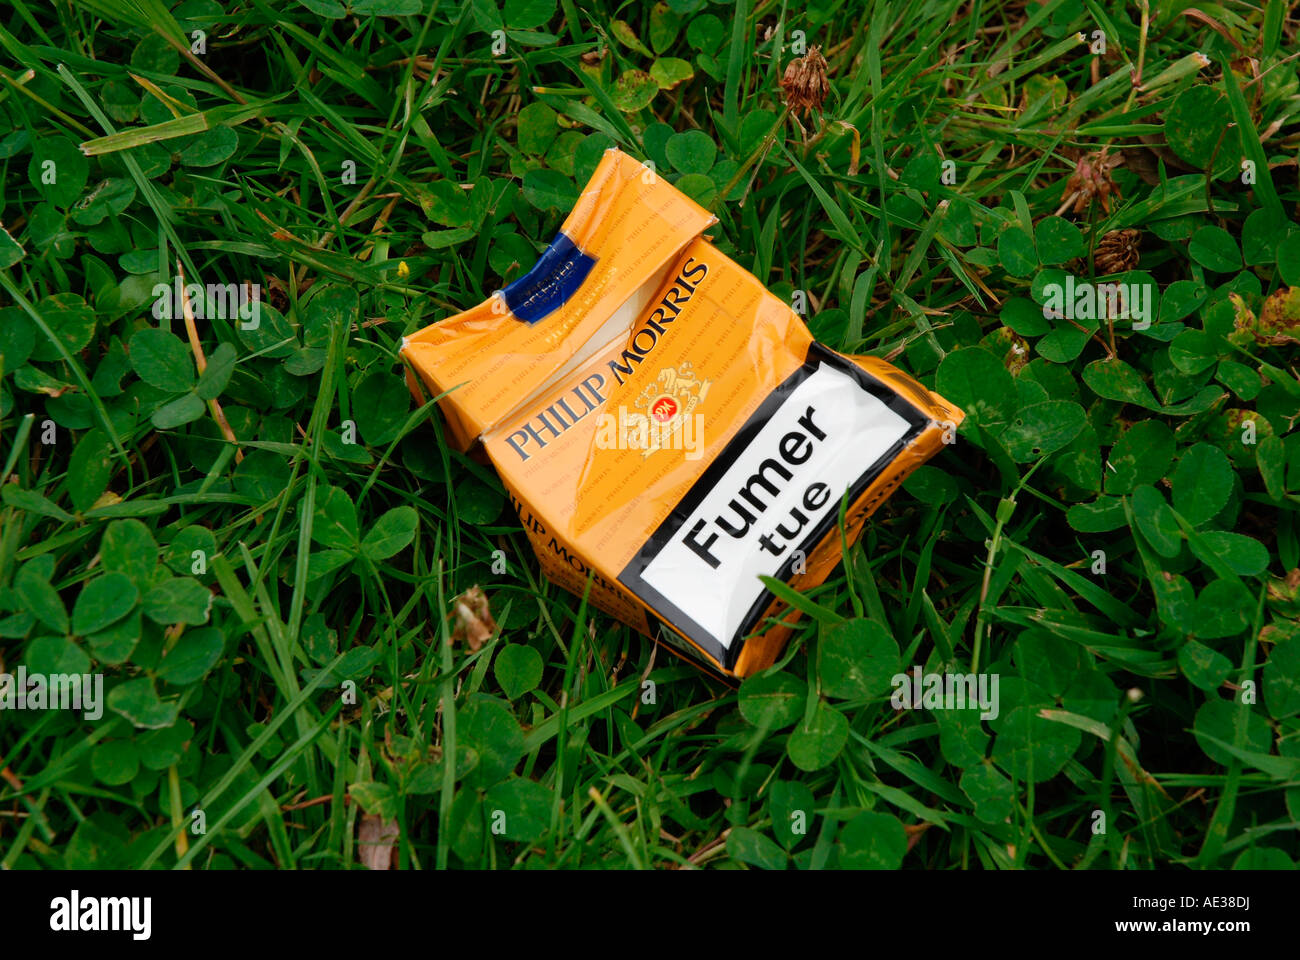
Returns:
point(623, 234)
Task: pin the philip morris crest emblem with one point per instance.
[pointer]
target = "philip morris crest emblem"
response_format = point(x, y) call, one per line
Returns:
point(667, 405)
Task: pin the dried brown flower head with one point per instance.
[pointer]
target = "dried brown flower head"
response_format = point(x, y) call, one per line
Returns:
point(474, 623)
point(1117, 251)
point(805, 82)
point(1091, 178)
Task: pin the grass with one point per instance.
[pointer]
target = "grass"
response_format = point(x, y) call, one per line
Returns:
point(256, 536)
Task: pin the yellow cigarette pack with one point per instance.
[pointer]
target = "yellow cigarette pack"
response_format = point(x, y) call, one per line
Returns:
point(673, 432)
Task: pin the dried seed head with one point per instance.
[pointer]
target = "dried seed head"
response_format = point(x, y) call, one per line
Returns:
point(1117, 251)
point(1091, 178)
point(805, 82)
point(474, 623)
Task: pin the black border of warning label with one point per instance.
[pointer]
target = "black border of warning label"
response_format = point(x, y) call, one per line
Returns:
point(631, 576)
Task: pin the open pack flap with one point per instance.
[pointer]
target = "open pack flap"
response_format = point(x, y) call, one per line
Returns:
point(609, 257)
